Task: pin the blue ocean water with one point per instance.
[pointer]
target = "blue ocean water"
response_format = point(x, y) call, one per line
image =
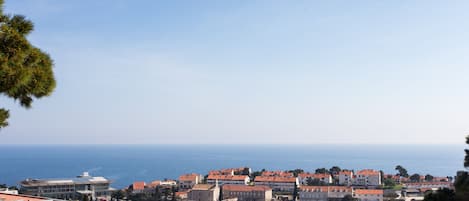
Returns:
point(127, 163)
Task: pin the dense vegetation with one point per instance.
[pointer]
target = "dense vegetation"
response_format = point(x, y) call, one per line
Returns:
point(25, 70)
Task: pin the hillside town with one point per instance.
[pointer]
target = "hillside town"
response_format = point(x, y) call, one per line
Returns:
point(239, 184)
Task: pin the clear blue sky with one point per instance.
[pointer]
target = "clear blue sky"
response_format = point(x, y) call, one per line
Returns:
point(202, 72)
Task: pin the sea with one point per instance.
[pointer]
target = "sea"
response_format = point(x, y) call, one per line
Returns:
point(124, 164)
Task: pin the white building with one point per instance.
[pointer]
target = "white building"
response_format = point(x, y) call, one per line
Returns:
point(69, 188)
point(247, 193)
point(346, 178)
point(324, 193)
point(187, 181)
point(430, 185)
point(204, 192)
point(367, 177)
point(283, 184)
point(228, 179)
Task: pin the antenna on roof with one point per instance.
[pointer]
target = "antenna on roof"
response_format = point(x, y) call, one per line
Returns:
point(84, 174)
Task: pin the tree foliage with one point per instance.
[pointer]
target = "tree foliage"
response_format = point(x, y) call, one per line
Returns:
point(415, 178)
point(389, 183)
point(321, 171)
point(429, 177)
point(25, 71)
point(441, 195)
point(315, 182)
point(402, 171)
point(466, 158)
point(296, 172)
point(335, 170)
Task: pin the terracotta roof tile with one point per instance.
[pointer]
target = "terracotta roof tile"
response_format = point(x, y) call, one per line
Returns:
point(368, 172)
point(228, 177)
point(368, 192)
point(188, 177)
point(138, 185)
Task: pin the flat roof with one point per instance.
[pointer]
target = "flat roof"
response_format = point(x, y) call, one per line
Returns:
point(64, 181)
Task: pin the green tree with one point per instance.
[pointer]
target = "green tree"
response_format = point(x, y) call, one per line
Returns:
point(441, 195)
point(402, 171)
point(118, 195)
point(335, 170)
point(461, 183)
point(466, 158)
point(204, 180)
point(256, 173)
point(428, 177)
point(25, 71)
point(296, 172)
point(157, 195)
point(321, 171)
point(415, 178)
point(389, 183)
point(315, 182)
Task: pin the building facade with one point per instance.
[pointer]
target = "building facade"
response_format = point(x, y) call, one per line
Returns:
point(228, 179)
point(247, 193)
point(324, 193)
point(367, 177)
point(204, 192)
point(68, 188)
point(278, 184)
point(346, 178)
point(188, 181)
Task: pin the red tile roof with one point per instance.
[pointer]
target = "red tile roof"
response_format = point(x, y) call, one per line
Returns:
point(153, 184)
point(188, 177)
point(14, 197)
point(228, 177)
point(368, 172)
point(368, 192)
point(181, 194)
point(138, 185)
point(346, 172)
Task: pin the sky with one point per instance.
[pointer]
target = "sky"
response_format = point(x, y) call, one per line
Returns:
point(248, 72)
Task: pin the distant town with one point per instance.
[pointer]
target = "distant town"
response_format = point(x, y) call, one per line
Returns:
point(239, 184)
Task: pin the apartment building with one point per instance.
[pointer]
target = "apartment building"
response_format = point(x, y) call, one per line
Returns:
point(324, 193)
point(69, 188)
point(187, 181)
point(282, 184)
point(367, 177)
point(228, 179)
point(346, 177)
point(247, 193)
point(204, 192)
